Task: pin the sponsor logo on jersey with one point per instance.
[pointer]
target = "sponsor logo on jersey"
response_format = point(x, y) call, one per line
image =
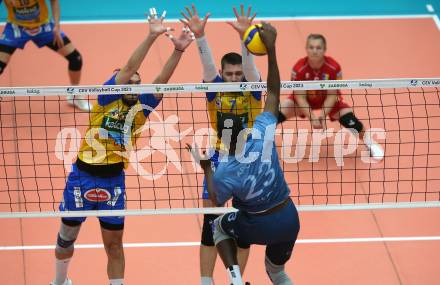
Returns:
point(97, 195)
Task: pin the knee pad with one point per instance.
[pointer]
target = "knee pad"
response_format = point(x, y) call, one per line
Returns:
point(2, 66)
point(219, 234)
point(75, 60)
point(66, 237)
point(351, 122)
point(208, 229)
point(276, 273)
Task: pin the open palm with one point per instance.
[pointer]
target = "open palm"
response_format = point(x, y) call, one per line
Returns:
point(194, 22)
point(184, 39)
point(243, 21)
point(156, 23)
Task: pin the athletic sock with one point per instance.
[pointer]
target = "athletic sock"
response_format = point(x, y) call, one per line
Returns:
point(61, 266)
point(206, 280)
point(116, 281)
point(234, 275)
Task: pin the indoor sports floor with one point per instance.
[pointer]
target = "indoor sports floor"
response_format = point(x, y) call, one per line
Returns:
point(342, 247)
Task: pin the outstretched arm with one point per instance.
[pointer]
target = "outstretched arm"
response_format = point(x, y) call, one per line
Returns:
point(197, 26)
point(268, 35)
point(180, 45)
point(242, 23)
point(134, 62)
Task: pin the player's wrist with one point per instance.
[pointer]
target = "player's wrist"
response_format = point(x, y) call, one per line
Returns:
point(199, 34)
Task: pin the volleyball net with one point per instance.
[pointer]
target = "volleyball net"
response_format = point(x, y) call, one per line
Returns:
point(40, 136)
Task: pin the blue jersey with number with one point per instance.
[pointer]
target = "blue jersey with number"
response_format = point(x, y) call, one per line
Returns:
point(254, 180)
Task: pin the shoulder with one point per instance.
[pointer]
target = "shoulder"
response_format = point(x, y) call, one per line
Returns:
point(332, 63)
point(300, 65)
point(112, 80)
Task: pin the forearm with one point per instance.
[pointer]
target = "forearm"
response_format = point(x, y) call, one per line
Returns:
point(303, 106)
point(329, 102)
point(209, 68)
point(55, 11)
point(210, 185)
point(169, 68)
point(273, 84)
point(136, 59)
point(249, 68)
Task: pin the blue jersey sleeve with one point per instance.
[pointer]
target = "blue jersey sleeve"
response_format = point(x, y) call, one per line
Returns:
point(107, 99)
point(211, 95)
point(149, 100)
point(266, 123)
point(223, 188)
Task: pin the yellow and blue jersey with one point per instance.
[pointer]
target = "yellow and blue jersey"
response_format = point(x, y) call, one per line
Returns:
point(111, 132)
point(27, 13)
point(246, 105)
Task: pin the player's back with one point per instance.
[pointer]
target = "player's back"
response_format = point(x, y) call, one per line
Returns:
point(255, 178)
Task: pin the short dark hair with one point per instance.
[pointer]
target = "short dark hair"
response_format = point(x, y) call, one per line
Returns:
point(231, 58)
point(317, 37)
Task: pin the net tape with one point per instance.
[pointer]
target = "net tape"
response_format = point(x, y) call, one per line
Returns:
point(218, 87)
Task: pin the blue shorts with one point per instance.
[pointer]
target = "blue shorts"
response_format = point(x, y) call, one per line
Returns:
point(85, 192)
point(214, 160)
point(18, 36)
point(278, 230)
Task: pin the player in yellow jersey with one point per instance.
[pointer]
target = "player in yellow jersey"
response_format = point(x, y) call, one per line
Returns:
point(245, 105)
point(97, 180)
point(29, 20)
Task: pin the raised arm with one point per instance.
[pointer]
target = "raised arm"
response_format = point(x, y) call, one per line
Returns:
point(134, 62)
point(268, 35)
point(242, 23)
point(197, 26)
point(180, 45)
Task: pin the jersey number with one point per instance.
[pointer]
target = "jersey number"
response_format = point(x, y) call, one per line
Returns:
point(269, 175)
point(233, 102)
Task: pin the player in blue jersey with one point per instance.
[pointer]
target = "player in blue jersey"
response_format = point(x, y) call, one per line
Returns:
point(246, 104)
point(97, 180)
point(251, 175)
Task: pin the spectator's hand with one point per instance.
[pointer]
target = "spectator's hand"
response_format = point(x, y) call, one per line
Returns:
point(156, 24)
point(201, 159)
point(268, 35)
point(57, 38)
point(184, 40)
point(194, 22)
point(243, 22)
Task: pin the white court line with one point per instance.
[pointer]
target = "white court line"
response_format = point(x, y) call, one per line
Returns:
point(436, 21)
point(188, 244)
